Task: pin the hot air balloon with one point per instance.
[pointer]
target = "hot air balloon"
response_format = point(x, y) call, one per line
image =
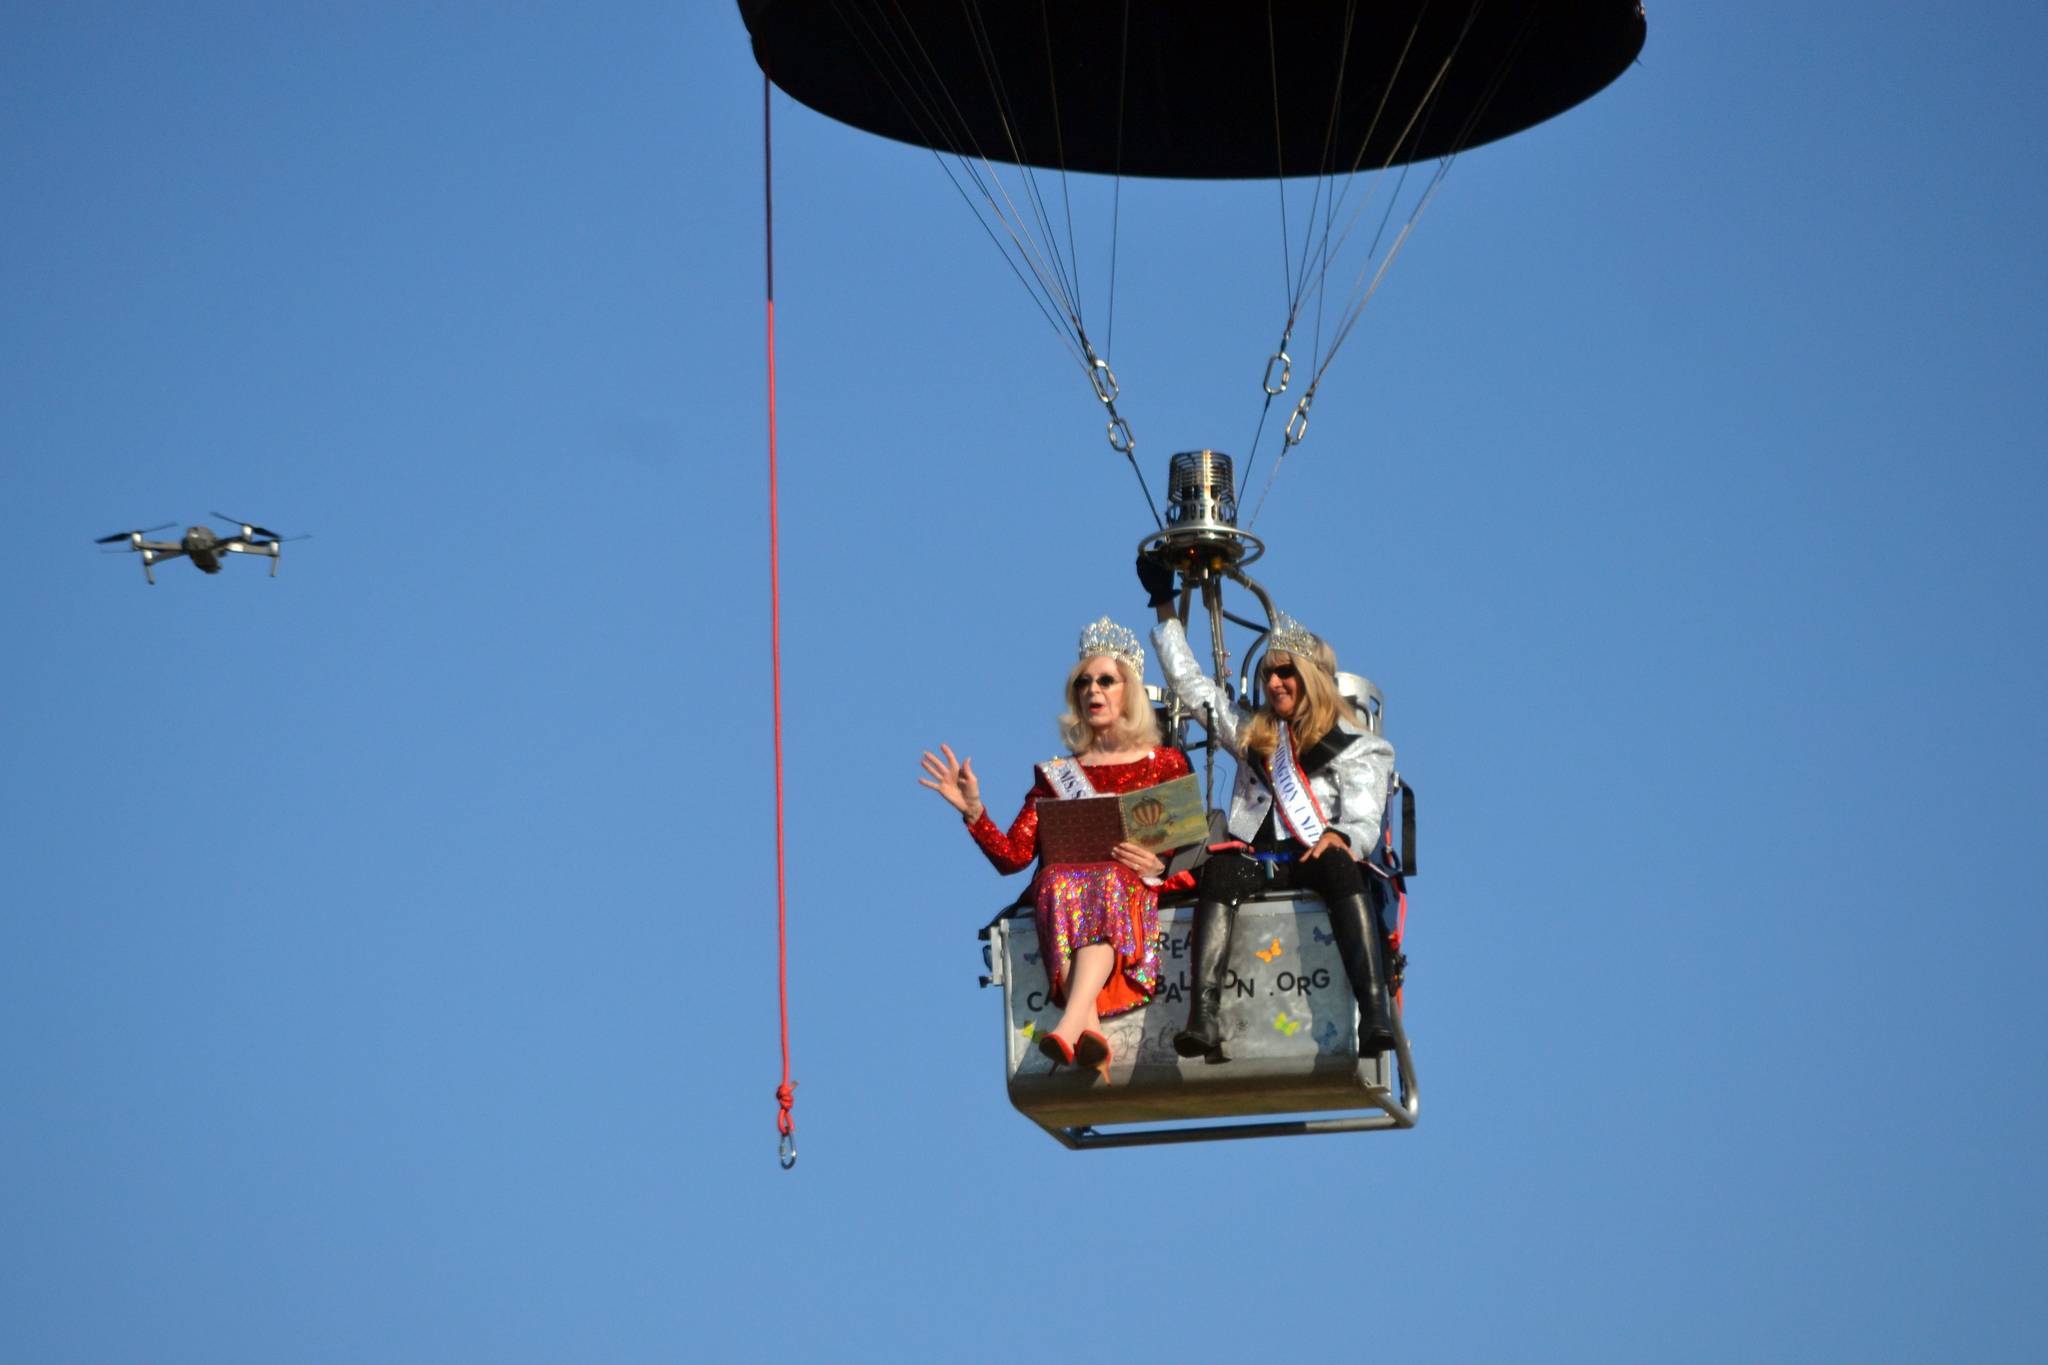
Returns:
point(1330, 92)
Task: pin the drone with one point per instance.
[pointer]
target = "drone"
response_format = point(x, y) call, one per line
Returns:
point(201, 544)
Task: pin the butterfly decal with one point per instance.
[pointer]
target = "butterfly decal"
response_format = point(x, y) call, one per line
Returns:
point(1322, 937)
point(1327, 1039)
point(1285, 1024)
point(1032, 958)
point(1030, 1028)
point(1268, 954)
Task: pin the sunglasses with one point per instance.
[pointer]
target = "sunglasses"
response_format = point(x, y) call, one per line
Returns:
point(1284, 672)
point(1104, 681)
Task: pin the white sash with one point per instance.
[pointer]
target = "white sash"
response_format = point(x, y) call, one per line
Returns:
point(1069, 783)
point(1294, 798)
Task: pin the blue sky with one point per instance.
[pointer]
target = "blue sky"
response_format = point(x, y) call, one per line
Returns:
point(388, 966)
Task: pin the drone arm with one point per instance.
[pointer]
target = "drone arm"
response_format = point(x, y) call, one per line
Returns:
point(154, 551)
point(241, 545)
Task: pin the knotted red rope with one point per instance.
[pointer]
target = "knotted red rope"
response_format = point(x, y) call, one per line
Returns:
point(785, 1094)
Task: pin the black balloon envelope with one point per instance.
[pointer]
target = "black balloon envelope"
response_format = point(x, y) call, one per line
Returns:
point(1195, 88)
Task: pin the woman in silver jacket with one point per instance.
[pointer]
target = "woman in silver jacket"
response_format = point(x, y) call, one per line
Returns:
point(1302, 815)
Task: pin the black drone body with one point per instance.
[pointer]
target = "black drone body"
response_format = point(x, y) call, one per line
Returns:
point(204, 546)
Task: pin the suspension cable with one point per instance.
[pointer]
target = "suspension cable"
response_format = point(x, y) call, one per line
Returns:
point(1443, 170)
point(1116, 201)
point(1325, 253)
point(904, 67)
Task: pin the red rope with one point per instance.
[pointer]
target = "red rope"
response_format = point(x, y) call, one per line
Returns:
point(785, 1094)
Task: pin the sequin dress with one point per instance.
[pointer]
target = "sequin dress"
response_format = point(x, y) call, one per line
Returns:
point(1090, 902)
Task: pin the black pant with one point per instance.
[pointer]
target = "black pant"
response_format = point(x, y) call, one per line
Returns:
point(1354, 903)
point(1233, 877)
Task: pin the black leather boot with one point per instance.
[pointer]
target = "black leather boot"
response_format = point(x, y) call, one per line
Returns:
point(1208, 956)
point(1358, 945)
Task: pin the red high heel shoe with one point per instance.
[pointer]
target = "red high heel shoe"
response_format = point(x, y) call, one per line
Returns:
point(1091, 1049)
point(1057, 1048)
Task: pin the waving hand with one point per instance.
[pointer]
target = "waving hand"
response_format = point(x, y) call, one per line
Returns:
point(954, 779)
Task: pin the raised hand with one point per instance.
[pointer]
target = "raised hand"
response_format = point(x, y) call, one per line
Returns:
point(954, 779)
point(1157, 581)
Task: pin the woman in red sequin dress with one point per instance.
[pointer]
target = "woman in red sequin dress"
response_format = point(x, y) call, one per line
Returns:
point(1097, 922)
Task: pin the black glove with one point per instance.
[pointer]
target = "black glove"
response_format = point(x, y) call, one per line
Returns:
point(1157, 580)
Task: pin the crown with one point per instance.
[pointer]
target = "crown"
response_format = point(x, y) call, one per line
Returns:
point(1290, 636)
point(1118, 642)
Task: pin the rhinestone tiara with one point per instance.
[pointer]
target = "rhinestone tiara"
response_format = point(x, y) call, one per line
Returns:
point(1290, 636)
point(1118, 642)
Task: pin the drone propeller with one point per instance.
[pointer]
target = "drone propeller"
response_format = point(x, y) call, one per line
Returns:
point(254, 529)
point(123, 535)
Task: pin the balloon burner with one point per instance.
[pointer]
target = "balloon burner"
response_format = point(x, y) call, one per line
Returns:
point(1201, 512)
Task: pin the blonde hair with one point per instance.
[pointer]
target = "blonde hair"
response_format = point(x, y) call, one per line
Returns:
point(1137, 727)
point(1320, 710)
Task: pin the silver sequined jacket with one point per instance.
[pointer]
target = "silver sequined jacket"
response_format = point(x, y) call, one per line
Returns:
point(1352, 787)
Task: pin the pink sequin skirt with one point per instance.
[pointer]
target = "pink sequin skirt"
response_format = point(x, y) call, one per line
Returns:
point(1100, 903)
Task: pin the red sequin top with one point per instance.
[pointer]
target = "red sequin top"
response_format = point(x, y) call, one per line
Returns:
point(1014, 851)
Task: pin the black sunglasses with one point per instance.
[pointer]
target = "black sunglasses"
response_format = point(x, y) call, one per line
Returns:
point(1104, 681)
point(1285, 672)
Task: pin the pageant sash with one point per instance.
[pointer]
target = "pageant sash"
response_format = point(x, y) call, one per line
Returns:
point(1069, 783)
point(1294, 799)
